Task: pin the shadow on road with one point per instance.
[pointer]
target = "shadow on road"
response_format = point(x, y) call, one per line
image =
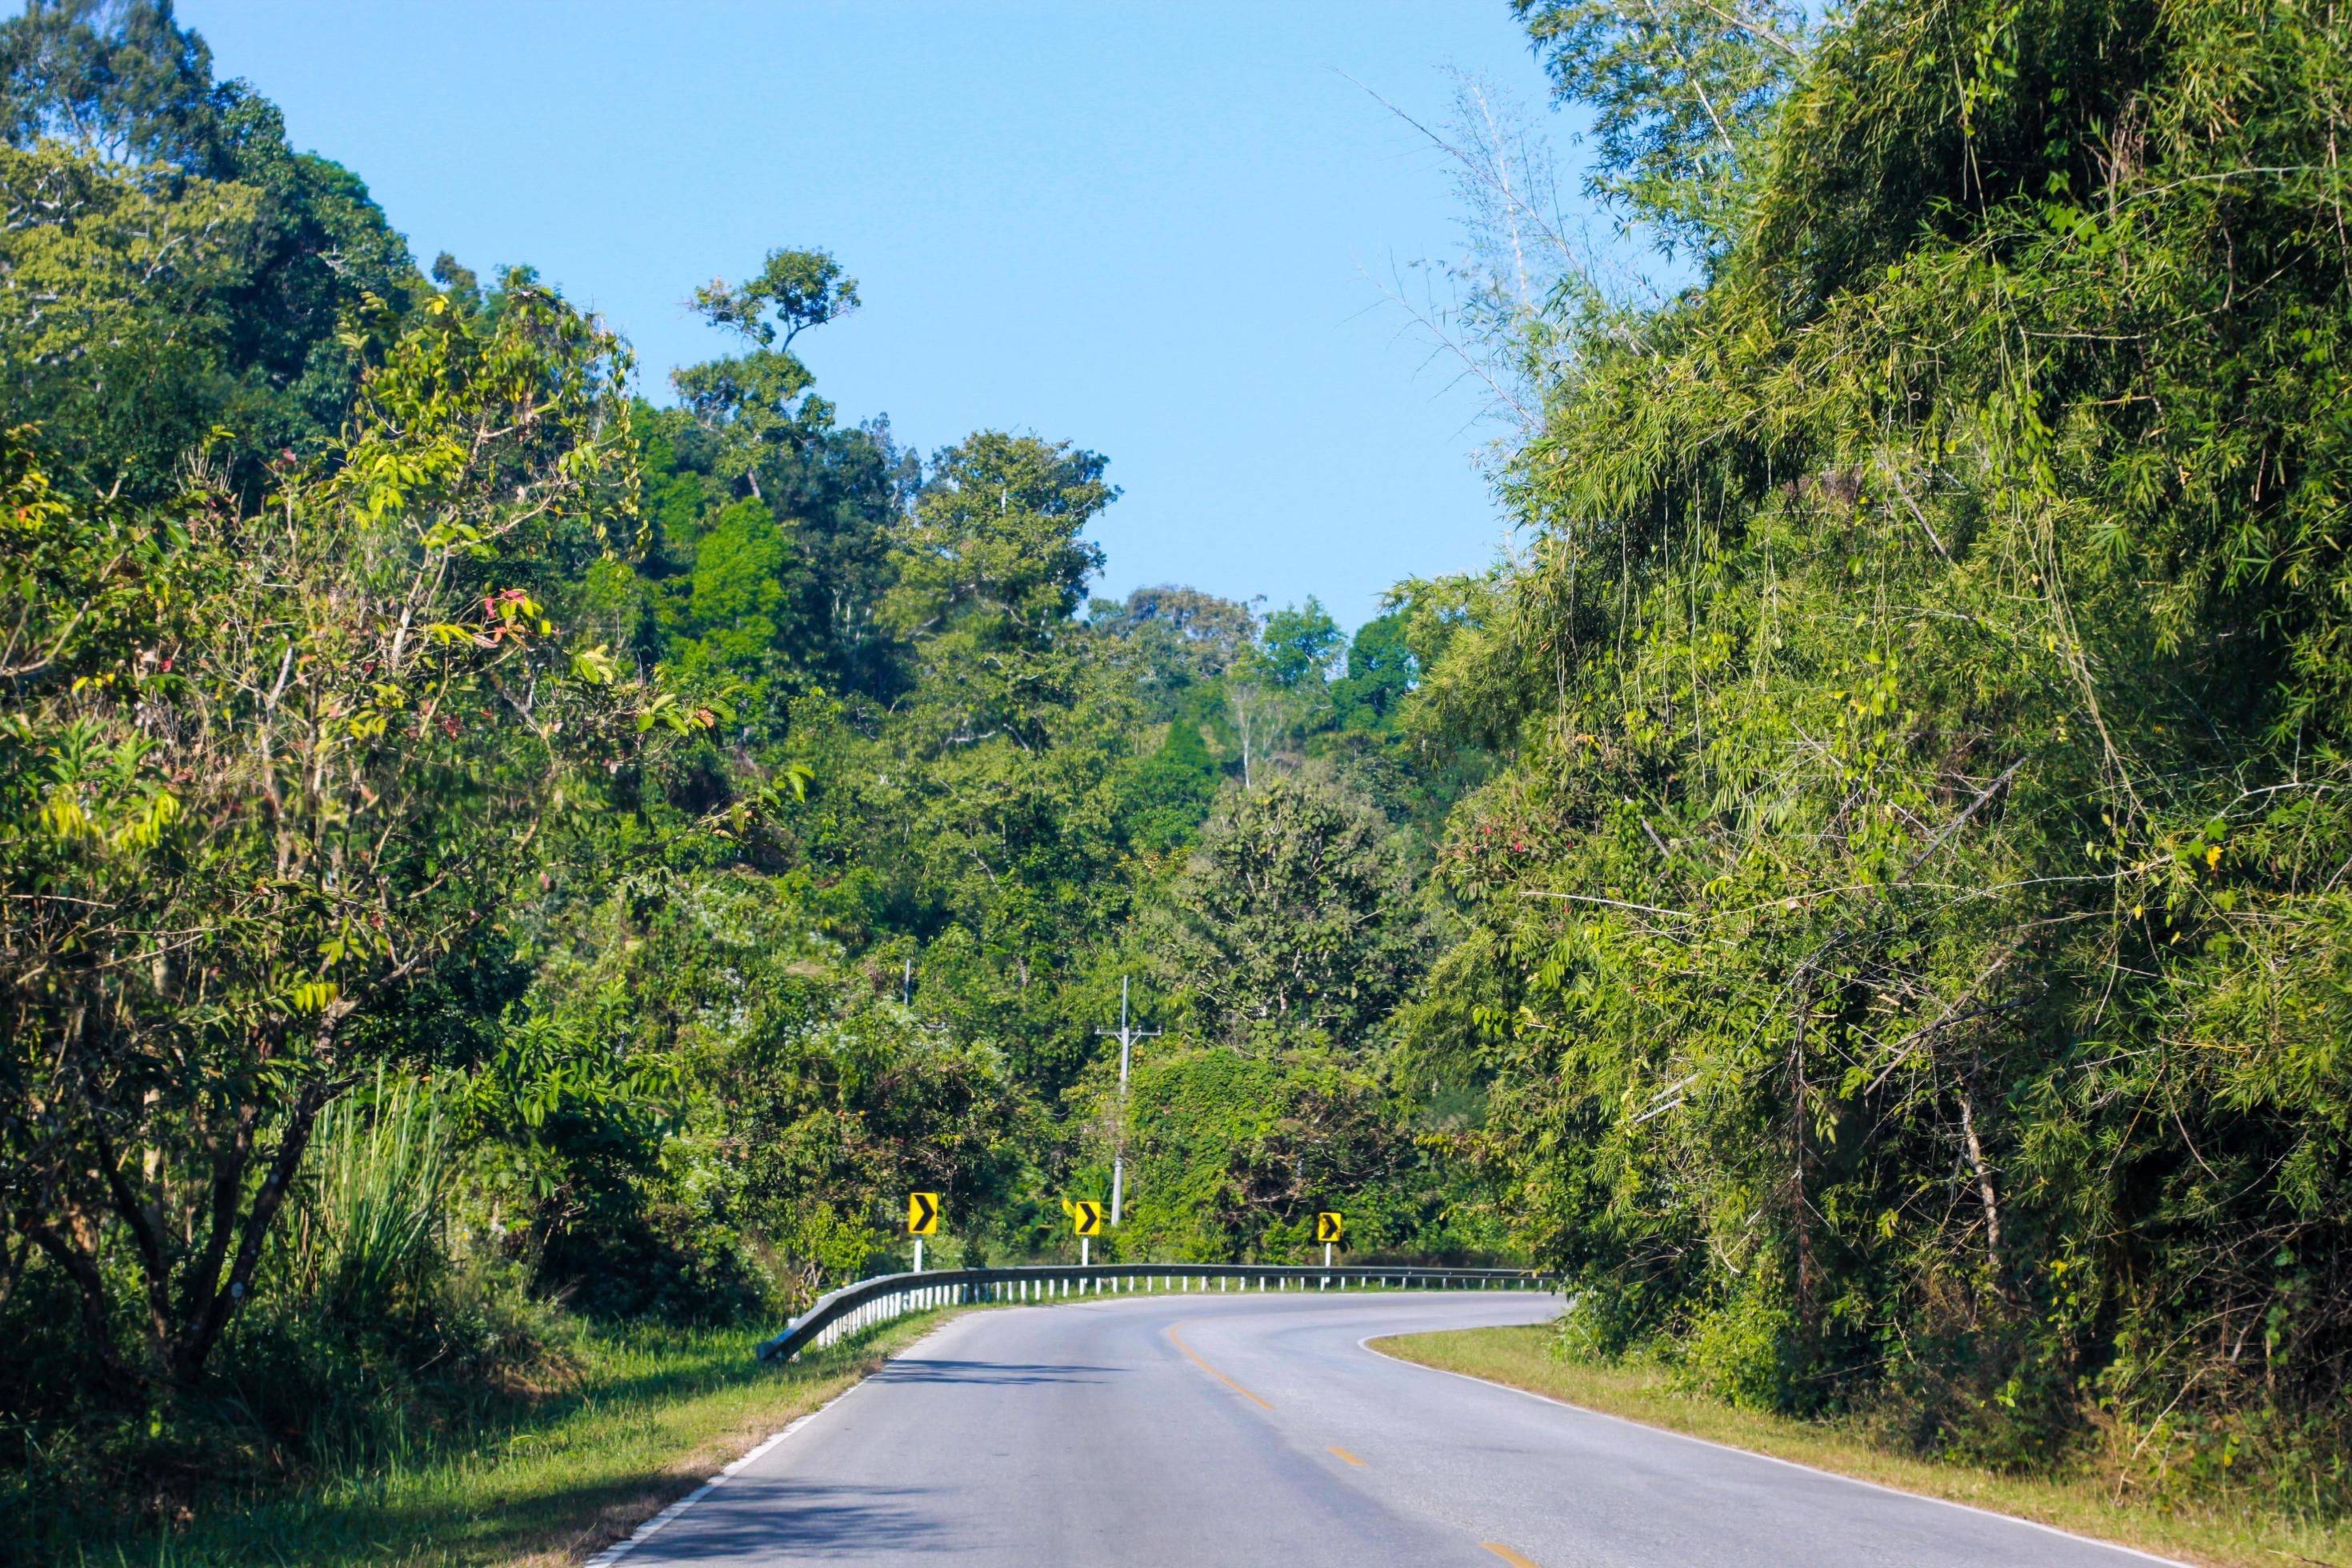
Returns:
point(993, 1374)
point(760, 1520)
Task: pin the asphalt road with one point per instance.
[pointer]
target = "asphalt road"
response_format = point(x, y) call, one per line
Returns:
point(1255, 1429)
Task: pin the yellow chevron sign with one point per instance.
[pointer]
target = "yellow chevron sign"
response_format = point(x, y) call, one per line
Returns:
point(1328, 1226)
point(1086, 1217)
point(922, 1213)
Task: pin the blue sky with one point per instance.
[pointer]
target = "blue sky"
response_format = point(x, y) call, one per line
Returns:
point(1151, 230)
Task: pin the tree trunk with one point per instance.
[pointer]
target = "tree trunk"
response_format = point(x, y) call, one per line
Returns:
point(81, 1268)
point(214, 1300)
point(1803, 1215)
point(229, 1166)
point(1984, 1176)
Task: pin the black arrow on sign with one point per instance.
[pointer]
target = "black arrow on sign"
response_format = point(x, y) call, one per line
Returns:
point(926, 1211)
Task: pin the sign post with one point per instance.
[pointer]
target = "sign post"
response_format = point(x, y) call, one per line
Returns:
point(1328, 1227)
point(923, 1220)
point(1087, 1219)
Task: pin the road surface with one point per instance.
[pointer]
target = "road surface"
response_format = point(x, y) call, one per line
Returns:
point(1254, 1429)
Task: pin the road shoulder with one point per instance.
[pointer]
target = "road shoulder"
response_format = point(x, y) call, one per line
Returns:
point(717, 1442)
point(1520, 1359)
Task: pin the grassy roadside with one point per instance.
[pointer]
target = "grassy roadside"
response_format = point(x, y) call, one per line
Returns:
point(1522, 1358)
point(652, 1417)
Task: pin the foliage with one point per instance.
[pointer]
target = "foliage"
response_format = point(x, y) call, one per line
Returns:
point(1683, 96)
point(263, 772)
point(176, 273)
point(1236, 1151)
point(116, 304)
point(1903, 951)
point(1294, 918)
point(379, 1183)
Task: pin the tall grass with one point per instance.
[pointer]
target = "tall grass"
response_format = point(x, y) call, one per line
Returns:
point(372, 1221)
point(375, 1339)
point(370, 1336)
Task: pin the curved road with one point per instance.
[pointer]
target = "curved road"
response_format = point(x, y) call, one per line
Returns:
point(1252, 1429)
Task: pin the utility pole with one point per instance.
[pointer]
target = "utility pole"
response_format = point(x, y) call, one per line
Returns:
point(1127, 1038)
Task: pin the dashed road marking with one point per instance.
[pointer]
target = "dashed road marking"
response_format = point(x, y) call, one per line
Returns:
point(1212, 1370)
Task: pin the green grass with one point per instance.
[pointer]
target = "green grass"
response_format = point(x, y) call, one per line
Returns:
point(1524, 1358)
point(652, 1415)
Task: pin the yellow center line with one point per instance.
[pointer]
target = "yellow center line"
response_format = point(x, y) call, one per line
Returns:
point(1507, 1555)
point(1347, 1456)
point(1212, 1370)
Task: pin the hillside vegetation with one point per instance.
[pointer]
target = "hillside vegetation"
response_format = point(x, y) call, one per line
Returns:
point(1906, 948)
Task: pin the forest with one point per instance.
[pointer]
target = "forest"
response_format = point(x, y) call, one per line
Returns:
point(495, 846)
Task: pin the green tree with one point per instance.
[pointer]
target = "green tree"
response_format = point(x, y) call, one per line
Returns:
point(1682, 96)
point(125, 80)
point(1380, 674)
point(1301, 647)
point(1001, 810)
point(748, 400)
point(1165, 795)
point(994, 551)
point(257, 790)
point(1233, 1152)
point(1295, 917)
point(246, 256)
point(116, 330)
point(1180, 641)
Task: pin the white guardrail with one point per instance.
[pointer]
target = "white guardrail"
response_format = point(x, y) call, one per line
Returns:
point(856, 1308)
